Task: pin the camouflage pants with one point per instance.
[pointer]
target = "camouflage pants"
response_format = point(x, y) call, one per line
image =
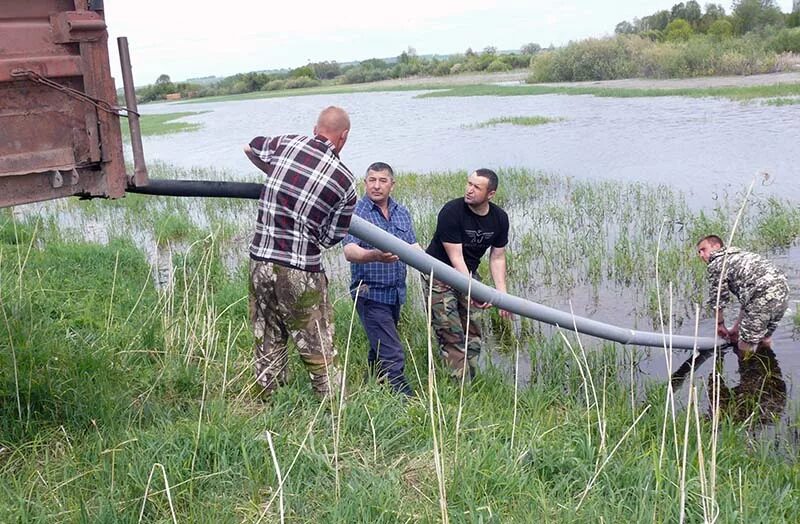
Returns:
point(761, 315)
point(449, 321)
point(288, 302)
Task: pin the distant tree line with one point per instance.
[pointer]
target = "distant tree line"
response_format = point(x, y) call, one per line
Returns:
point(407, 64)
point(685, 19)
point(687, 40)
point(164, 86)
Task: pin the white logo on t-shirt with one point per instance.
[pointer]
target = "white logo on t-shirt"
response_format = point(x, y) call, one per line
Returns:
point(478, 237)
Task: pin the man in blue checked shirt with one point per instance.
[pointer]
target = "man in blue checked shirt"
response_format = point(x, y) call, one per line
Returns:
point(379, 278)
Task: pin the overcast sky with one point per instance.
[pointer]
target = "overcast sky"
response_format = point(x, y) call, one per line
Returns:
point(189, 39)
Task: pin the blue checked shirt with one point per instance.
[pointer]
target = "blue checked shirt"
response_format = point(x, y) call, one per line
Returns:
point(385, 283)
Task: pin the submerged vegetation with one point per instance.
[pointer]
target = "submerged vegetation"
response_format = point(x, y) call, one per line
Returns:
point(128, 399)
point(782, 101)
point(517, 121)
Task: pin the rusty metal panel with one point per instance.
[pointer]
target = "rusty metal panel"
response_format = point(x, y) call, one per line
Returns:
point(59, 131)
point(77, 26)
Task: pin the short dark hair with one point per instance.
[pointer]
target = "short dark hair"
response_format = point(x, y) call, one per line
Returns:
point(490, 175)
point(714, 239)
point(380, 166)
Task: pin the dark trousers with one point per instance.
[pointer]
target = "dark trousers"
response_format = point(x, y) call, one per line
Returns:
point(386, 354)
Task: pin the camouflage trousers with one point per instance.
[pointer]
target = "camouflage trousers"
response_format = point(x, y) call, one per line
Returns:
point(449, 320)
point(760, 316)
point(285, 303)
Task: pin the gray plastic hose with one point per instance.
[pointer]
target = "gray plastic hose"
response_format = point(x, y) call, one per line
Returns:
point(425, 263)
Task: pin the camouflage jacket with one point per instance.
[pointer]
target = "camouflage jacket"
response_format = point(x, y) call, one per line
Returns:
point(747, 275)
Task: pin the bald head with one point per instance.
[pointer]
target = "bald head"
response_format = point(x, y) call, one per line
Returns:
point(334, 124)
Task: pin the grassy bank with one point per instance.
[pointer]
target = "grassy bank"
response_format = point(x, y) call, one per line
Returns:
point(124, 401)
point(733, 93)
point(163, 124)
point(777, 94)
point(322, 90)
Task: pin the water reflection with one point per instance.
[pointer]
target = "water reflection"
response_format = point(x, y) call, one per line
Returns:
point(760, 395)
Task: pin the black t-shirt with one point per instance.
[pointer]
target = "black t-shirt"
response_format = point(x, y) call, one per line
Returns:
point(457, 224)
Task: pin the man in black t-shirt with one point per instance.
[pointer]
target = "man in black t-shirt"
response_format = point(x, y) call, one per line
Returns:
point(465, 229)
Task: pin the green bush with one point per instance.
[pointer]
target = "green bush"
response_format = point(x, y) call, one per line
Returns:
point(591, 59)
point(302, 81)
point(786, 41)
point(700, 56)
point(498, 65)
point(275, 85)
point(662, 61)
point(302, 72)
point(354, 75)
point(626, 56)
point(678, 30)
point(720, 29)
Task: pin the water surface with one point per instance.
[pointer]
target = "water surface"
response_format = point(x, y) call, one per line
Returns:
point(706, 147)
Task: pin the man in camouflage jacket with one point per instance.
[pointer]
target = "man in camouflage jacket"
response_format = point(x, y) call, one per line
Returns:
point(761, 288)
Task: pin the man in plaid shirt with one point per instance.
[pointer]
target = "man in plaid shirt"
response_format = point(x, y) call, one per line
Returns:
point(379, 279)
point(305, 206)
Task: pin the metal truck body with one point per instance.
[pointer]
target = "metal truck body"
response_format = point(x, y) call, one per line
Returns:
point(59, 127)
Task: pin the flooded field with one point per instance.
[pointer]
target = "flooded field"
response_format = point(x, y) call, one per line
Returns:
point(591, 247)
point(691, 154)
point(670, 156)
point(707, 148)
point(126, 352)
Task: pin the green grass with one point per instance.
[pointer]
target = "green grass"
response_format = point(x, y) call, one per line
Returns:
point(442, 89)
point(321, 90)
point(163, 124)
point(733, 93)
point(517, 121)
point(104, 378)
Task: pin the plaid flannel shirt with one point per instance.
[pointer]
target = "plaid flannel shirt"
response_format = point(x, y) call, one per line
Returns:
point(306, 203)
point(381, 282)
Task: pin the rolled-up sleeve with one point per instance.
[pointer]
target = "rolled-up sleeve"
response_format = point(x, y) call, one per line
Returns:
point(340, 221)
point(264, 147)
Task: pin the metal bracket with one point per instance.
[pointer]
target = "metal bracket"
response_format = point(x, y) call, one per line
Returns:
point(57, 179)
point(77, 26)
point(73, 177)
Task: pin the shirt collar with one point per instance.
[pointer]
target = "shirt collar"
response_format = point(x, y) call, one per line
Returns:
point(373, 205)
point(718, 253)
point(328, 143)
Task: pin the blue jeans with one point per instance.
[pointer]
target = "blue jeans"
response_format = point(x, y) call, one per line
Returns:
point(385, 349)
